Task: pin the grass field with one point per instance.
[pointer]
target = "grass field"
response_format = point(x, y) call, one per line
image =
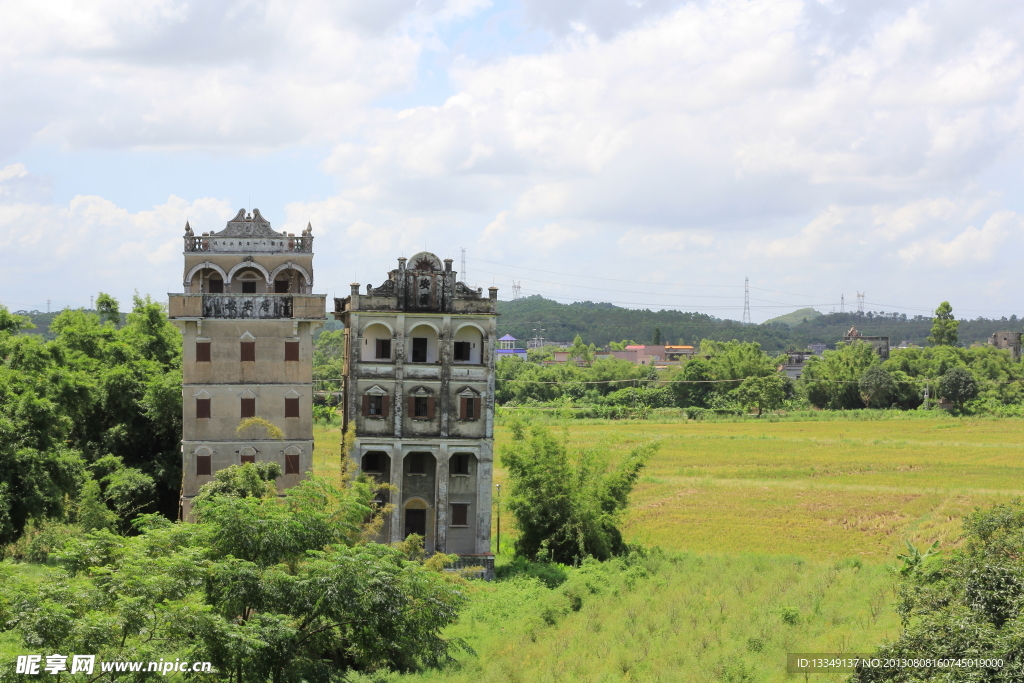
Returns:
point(815, 489)
point(760, 519)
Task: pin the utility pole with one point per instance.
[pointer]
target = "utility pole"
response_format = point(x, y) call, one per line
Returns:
point(746, 301)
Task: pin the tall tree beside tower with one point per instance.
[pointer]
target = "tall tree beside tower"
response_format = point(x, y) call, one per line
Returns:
point(944, 326)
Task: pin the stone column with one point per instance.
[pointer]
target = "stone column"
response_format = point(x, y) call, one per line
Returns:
point(444, 403)
point(484, 484)
point(442, 499)
point(399, 402)
point(397, 523)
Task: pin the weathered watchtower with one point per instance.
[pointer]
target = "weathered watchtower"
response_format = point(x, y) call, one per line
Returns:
point(247, 315)
point(419, 386)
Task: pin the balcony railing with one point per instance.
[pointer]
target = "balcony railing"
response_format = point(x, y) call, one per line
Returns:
point(283, 243)
point(247, 306)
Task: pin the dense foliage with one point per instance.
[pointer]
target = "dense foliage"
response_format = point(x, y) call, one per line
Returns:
point(601, 323)
point(967, 606)
point(265, 589)
point(100, 402)
point(567, 508)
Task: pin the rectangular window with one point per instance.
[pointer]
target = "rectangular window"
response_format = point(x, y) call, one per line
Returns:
point(203, 465)
point(248, 286)
point(202, 352)
point(460, 514)
point(372, 462)
point(460, 463)
point(280, 287)
point(417, 463)
point(216, 286)
point(419, 406)
point(469, 408)
point(291, 407)
point(383, 348)
point(248, 407)
point(462, 350)
point(291, 463)
point(248, 458)
point(249, 352)
point(202, 408)
point(291, 351)
point(376, 407)
point(419, 349)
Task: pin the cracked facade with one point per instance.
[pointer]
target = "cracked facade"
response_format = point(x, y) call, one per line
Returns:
point(419, 386)
point(247, 315)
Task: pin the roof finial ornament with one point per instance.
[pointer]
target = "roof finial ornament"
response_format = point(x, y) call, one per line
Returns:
point(309, 228)
point(188, 229)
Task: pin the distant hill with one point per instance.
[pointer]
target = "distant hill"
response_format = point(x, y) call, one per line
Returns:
point(600, 323)
point(796, 317)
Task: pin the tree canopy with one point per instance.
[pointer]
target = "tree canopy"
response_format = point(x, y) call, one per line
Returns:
point(944, 326)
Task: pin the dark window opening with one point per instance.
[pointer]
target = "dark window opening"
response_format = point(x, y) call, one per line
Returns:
point(291, 351)
point(248, 286)
point(203, 465)
point(424, 299)
point(249, 352)
point(202, 407)
point(469, 409)
point(462, 350)
point(419, 349)
point(373, 462)
point(420, 407)
point(281, 287)
point(416, 522)
point(248, 407)
point(202, 352)
point(376, 406)
point(460, 514)
point(291, 463)
point(417, 463)
point(216, 286)
point(248, 458)
point(291, 407)
point(383, 348)
point(460, 463)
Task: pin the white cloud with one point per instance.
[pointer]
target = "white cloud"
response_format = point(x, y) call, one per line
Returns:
point(971, 245)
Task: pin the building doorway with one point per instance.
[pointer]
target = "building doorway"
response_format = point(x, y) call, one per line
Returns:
point(415, 522)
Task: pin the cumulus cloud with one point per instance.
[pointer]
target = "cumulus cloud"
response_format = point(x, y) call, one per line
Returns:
point(825, 146)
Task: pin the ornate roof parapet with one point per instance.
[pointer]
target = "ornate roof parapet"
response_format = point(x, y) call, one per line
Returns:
point(422, 283)
point(249, 233)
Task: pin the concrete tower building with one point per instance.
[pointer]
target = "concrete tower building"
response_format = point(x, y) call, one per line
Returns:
point(419, 386)
point(247, 315)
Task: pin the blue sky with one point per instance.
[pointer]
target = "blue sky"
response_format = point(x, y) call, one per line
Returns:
point(649, 153)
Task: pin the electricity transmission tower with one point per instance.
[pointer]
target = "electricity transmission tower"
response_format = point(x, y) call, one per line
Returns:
point(842, 303)
point(517, 289)
point(746, 301)
point(860, 302)
point(464, 277)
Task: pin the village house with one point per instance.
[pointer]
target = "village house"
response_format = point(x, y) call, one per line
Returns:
point(247, 315)
point(419, 388)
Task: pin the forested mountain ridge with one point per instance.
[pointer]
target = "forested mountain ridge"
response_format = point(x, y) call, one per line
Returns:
point(601, 323)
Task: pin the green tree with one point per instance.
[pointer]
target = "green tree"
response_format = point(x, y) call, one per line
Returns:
point(567, 508)
point(109, 309)
point(965, 606)
point(944, 326)
point(691, 383)
point(267, 590)
point(876, 387)
point(959, 386)
point(329, 359)
point(656, 337)
point(763, 393)
point(580, 352)
point(832, 379)
point(11, 323)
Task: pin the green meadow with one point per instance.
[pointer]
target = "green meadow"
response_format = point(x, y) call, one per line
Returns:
point(775, 536)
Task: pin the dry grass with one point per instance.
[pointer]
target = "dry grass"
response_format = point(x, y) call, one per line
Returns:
point(817, 489)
